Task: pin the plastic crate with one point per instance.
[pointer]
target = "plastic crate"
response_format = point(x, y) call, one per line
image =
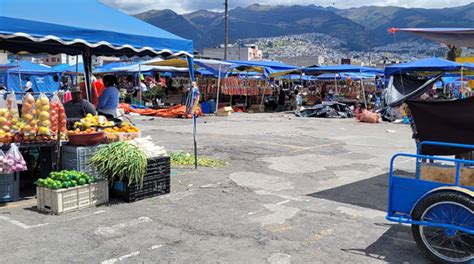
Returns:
point(9, 187)
point(77, 158)
point(155, 182)
point(72, 199)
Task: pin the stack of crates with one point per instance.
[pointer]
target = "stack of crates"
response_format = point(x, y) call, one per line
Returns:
point(9, 187)
point(155, 182)
point(77, 158)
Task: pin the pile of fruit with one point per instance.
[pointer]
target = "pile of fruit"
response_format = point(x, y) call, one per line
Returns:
point(65, 179)
point(93, 121)
point(126, 132)
point(5, 124)
point(78, 131)
point(58, 116)
point(42, 115)
point(28, 114)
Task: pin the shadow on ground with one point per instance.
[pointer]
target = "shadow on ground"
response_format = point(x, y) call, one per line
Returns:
point(369, 193)
point(396, 245)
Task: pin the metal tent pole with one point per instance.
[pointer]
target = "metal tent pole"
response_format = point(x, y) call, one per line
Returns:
point(218, 88)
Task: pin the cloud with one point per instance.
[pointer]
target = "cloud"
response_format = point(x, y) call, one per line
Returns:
point(182, 6)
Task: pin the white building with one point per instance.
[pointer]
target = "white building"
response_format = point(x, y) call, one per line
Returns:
point(234, 52)
point(52, 60)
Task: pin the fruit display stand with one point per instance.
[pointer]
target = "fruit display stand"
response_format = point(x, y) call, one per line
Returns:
point(72, 199)
point(155, 182)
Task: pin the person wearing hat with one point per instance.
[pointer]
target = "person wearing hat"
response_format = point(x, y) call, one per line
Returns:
point(78, 108)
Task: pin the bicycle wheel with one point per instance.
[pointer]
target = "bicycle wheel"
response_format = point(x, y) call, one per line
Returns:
point(445, 245)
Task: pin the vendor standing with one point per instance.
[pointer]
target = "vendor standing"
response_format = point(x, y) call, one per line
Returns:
point(109, 100)
point(78, 108)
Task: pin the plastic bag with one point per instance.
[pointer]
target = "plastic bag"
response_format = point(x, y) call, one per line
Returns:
point(14, 160)
point(28, 115)
point(42, 115)
point(14, 113)
point(3, 162)
point(57, 116)
point(369, 117)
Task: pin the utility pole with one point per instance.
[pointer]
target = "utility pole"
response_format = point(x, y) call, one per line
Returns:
point(226, 29)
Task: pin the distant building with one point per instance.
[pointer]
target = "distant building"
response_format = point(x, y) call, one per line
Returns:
point(52, 60)
point(101, 60)
point(234, 52)
point(302, 61)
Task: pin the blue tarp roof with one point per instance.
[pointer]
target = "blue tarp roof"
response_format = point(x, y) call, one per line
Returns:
point(28, 67)
point(341, 68)
point(109, 66)
point(268, 66)
point(430, 64)
point(42, 77)
point(61, 67)
point(60, 26)
point(72, 69)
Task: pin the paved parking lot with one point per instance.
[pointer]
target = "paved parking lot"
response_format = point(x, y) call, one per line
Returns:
point(294, 191)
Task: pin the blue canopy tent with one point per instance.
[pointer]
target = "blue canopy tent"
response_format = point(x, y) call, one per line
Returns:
point(41, 77)
point(61, 67)
point(268, 67)
point(84, 27)
point(78, 69)
point(110, 66)
point(340, 68)
point(428, 65)
point(403, 85)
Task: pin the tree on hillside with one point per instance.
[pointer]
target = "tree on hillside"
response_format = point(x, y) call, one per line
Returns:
point(453, 53)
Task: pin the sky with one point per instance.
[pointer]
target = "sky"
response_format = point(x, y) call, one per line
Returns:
point(183, 6)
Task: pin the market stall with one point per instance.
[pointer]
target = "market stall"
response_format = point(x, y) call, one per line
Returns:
point(91, 29)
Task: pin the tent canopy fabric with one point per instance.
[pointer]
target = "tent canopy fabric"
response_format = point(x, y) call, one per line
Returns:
point(268, 68)
point(146, 68)
point(28, 67)
point(429, 64)
point(340, 68)
point(72, 69)
point(70, 26)
point(41, 77)
point(61, 67)
point(459, 37)
point(444, 121)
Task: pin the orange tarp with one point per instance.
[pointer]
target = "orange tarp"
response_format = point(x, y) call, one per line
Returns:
point(178, 111)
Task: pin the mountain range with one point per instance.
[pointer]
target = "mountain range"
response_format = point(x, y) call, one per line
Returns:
point(360, 28)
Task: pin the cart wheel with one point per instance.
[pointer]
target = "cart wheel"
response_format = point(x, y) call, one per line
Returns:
point(444, 245)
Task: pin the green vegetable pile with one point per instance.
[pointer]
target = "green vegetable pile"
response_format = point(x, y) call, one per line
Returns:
point(121, 160)
point(182, 158)
point(65, 179)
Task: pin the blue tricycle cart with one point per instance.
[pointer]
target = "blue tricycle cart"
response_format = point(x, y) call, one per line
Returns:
point(441, 212)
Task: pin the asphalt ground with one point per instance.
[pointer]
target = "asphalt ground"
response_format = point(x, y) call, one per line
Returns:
point(294, 190)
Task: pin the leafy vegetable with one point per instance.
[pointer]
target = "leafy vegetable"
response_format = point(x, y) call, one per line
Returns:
point(120, 160)
point(181, 158)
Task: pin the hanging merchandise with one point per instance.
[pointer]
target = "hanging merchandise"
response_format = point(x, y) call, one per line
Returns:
point(57, 116)
point(42, 115)
point(14, 113)
point(14, 160)
point(28, 115)
point(5, 123)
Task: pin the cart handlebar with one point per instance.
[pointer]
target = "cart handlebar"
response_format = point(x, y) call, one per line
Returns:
point(442, 144)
